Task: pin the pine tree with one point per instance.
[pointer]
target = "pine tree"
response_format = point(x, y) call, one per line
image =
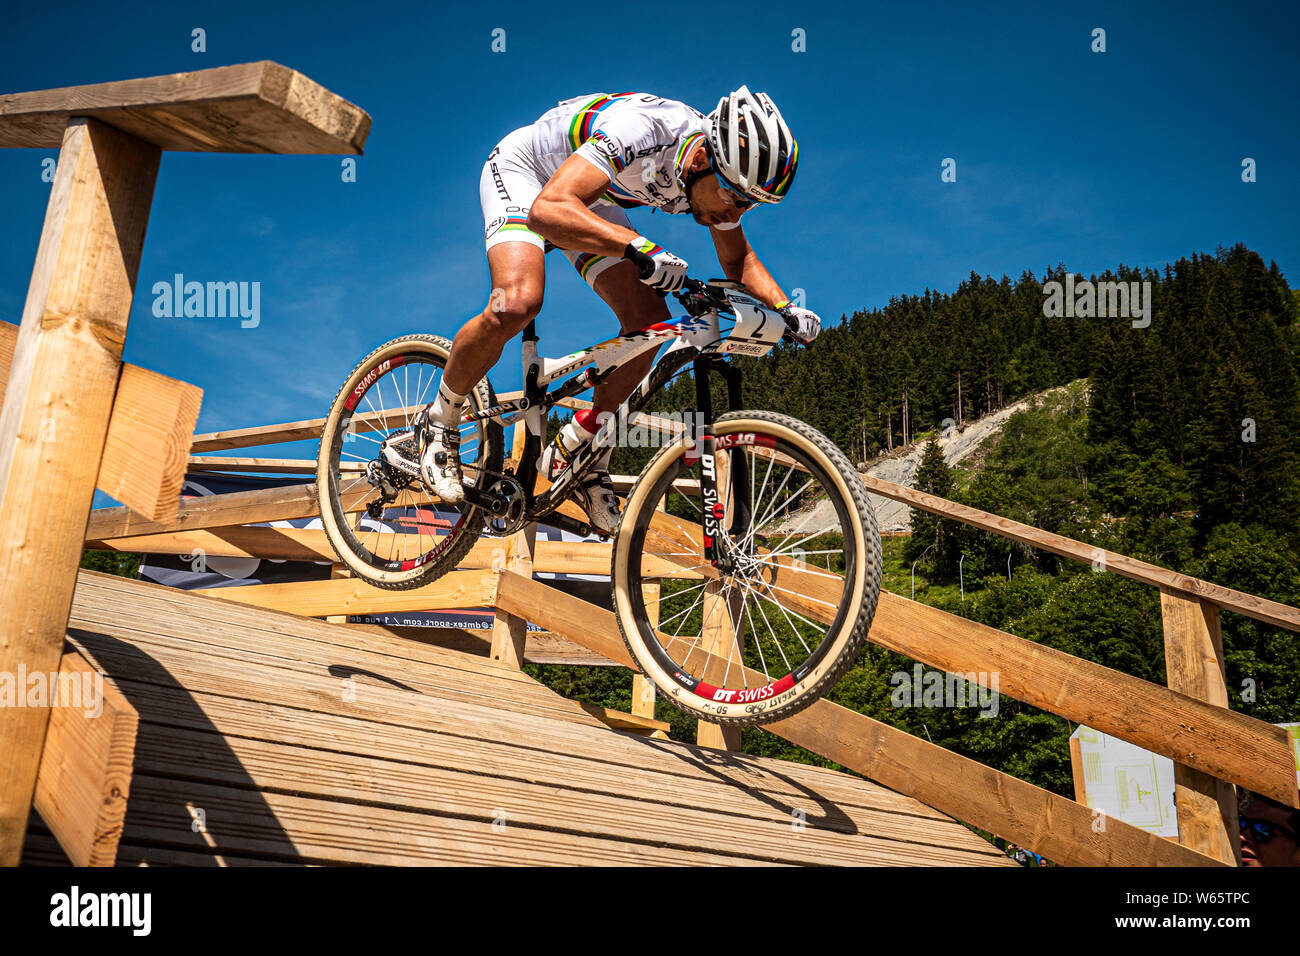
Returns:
point(932, 536)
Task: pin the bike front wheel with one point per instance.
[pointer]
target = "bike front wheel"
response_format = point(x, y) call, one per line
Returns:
point(774, 619)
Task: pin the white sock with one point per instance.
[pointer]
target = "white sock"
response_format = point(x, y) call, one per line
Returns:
point(448, 407)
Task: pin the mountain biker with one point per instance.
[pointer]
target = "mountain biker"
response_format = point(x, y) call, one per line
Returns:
point(564, 182)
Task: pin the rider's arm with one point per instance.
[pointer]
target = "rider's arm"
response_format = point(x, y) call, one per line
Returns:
point(741, 264)
point(560, 213)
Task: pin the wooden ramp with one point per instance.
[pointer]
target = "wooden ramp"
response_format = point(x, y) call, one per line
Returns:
point(270, 738)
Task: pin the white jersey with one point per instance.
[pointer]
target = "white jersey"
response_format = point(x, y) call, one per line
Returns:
point(638, 140)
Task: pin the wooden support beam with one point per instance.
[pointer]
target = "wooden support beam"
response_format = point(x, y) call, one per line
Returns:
point(148, 438)
point(1053, 826)
point(1207, 807)
point(1223, 743)
point(8, 339)
point(85, 772)
point(249, 108)
point(217, 511)
point(1076, 772)
point(340, 596)
point(264, 466)
point(1262, 609)
point(509, 631)
point(630, 723)
point(306, 430)
point(541, 647)
point(297, 544)
point(235, 541)
point(643, 689)
point(57, 407)
point(1219, 741)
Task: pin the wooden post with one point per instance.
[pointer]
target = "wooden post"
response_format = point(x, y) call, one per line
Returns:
point(643, 689)
point(510, 633)
point(722, 634)
point(57, 406)
point(338, 571)
point(1076, 770)
point(1207, 807)
point(86, 766)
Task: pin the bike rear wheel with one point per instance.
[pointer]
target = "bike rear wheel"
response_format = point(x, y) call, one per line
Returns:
point(773, 622)
point(410, 537)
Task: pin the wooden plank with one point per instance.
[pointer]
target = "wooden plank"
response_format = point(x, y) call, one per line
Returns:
point(1076, 772)
point(217, 511)
point(1207, 807)
point(1229, 599)
point(55, 419)
point(619, 720)
point(8, 339)
point(463, 727)
point(234, 541)
point(148, 435)
point(587, 758)
point(238, 656)
point(540, 647)
point(258, 107)
point(1057, 828)
point(289, 828)
point(353, 596)
point(1223, 743)
point(305, 430)
point(1218, 741)
point(226, 627)
point(643, 689)
point(311, 728)
point(85, 771)
point(295, 544)
point(736, 825)
point(509, 632)
point(263, 466)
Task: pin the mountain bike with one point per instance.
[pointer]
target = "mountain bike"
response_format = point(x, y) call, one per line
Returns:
point(746, 564)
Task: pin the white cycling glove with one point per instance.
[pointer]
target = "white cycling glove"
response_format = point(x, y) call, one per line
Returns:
point(658, 267)
point(803, 324)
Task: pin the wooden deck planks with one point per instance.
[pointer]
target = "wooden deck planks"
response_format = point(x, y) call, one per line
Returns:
point(243, 718)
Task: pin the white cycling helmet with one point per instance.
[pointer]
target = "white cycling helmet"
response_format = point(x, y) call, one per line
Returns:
point(753, 149)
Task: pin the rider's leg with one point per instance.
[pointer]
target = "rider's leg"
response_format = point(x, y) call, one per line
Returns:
point(518, 283)
point(637, 306)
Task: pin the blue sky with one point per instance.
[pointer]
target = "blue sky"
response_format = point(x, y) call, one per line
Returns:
point(1062, 154)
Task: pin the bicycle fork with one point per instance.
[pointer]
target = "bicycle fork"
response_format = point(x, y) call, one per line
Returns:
point(717, 552)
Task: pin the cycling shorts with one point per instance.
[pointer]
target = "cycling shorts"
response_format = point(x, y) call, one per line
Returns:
point(511, 179)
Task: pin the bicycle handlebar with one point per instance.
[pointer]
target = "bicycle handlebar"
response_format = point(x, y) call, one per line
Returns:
point(698, 296)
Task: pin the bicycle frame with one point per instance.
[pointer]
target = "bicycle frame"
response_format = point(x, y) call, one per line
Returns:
point(696, 338)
